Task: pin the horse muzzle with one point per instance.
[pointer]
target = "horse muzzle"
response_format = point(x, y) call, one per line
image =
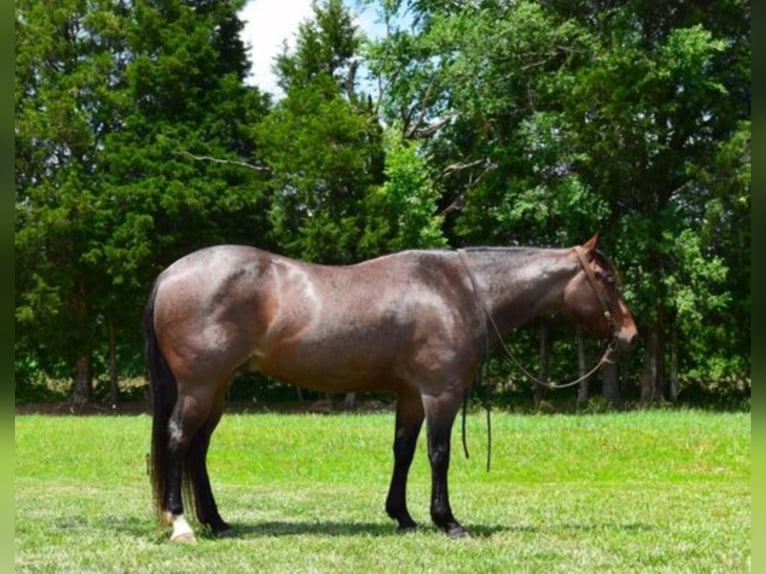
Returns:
point(625, 340)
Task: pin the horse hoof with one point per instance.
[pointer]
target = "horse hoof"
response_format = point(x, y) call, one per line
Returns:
point(225, 533)
point(458, 532)
point(183, 537)
point(407, 527)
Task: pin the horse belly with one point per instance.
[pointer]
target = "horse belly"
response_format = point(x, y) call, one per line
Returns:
point(329, 364)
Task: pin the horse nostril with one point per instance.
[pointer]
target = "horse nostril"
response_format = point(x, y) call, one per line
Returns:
point(626, 341)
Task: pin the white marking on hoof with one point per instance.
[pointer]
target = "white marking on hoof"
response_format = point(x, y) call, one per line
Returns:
point(182, 532)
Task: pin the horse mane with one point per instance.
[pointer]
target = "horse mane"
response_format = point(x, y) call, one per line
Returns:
point(501, 248)
point(601, 259)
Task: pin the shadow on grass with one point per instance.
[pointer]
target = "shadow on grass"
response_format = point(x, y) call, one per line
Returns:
point(486, 531)
point(326, 528)
point(322, 528)
point(330, 528)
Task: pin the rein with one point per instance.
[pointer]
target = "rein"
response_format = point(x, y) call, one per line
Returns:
point(487, 315)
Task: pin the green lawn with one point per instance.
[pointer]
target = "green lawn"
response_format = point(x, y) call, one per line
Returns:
point(654, 491)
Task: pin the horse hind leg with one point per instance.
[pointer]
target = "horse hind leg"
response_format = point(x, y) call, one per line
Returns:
point(409, 419)
point(196, 470)
point(189, 414)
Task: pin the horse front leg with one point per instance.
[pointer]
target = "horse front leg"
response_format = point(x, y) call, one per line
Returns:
point(409, 419)
point(440, 414)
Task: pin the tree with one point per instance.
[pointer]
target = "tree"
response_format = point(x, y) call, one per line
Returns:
point(117, 104)
point(69, 58)
point(650, 118)
point(547, 118)
point(401, 212)
point(322, 143)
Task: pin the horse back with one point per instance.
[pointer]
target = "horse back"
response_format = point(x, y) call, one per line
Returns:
point(360, 327)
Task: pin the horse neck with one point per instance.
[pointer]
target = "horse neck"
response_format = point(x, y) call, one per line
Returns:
point(517, 285)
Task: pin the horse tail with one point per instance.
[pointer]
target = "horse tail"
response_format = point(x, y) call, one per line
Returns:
point(164, 390)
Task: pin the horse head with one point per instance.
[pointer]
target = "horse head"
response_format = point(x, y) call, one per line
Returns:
point(592, 298)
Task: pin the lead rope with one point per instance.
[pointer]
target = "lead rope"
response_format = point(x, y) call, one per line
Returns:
point(484, 314)
point(604, 358)
point(554, 386)
point(485, 365)
point(487, 407)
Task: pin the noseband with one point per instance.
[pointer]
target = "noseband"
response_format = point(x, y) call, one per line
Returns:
point(486, 314)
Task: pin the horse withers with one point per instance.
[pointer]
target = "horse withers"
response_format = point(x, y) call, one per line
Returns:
point(412, 323)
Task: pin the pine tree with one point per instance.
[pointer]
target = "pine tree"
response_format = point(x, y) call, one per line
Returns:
point(322, 143)
point(118, 106)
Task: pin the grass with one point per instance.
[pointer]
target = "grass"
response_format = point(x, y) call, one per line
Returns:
point(652, 491)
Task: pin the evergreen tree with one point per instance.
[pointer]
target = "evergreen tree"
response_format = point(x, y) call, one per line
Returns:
point(119, 107)
point(322, 143)
point(342, 189)
point(70, 58)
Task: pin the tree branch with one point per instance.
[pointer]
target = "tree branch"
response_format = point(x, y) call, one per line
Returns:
point(436, 125)
point(461, 166)
point(222, 161)
point(423, 109)
point(459, 200)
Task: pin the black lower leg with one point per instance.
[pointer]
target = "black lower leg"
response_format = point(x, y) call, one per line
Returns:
point(396, 502)
point(439, 456)
point(173, 500)
point(204, 502)
point(196, 465)
point(409, 418)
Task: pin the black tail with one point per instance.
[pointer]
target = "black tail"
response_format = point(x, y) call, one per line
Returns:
point(164, 391)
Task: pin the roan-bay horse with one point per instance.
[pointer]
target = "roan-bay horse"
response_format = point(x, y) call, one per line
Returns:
point(413, 323)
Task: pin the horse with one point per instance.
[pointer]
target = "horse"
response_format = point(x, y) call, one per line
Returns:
point(413, 323)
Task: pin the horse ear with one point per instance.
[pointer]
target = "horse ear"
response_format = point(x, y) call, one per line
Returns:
point(590, 245)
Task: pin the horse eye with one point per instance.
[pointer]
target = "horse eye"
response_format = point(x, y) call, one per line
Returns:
point(607, 277)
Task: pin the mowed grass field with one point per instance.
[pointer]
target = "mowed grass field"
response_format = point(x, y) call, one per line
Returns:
point(651, 491)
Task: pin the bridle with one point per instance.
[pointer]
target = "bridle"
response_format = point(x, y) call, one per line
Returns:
point(487, 315)
point(601, 299)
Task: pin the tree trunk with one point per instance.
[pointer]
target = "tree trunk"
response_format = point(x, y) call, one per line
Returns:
point(350, 401)
point(610, 390)
point(114, 388)
point(83, 381)
point(545, 353)
point(660, 386)
point(83, 378)
point(675, 387)
point(650, 373)
point(583, 387)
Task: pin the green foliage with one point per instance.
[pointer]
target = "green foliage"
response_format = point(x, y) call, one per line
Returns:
point(402, 211)
point(321, 143)
point(109, 96)
point(567, 117)
point(319, 148)
point(530, 122)
point(690, 294)
point(326, 45)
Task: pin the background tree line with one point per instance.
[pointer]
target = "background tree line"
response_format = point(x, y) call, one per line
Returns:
point(482, 122)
